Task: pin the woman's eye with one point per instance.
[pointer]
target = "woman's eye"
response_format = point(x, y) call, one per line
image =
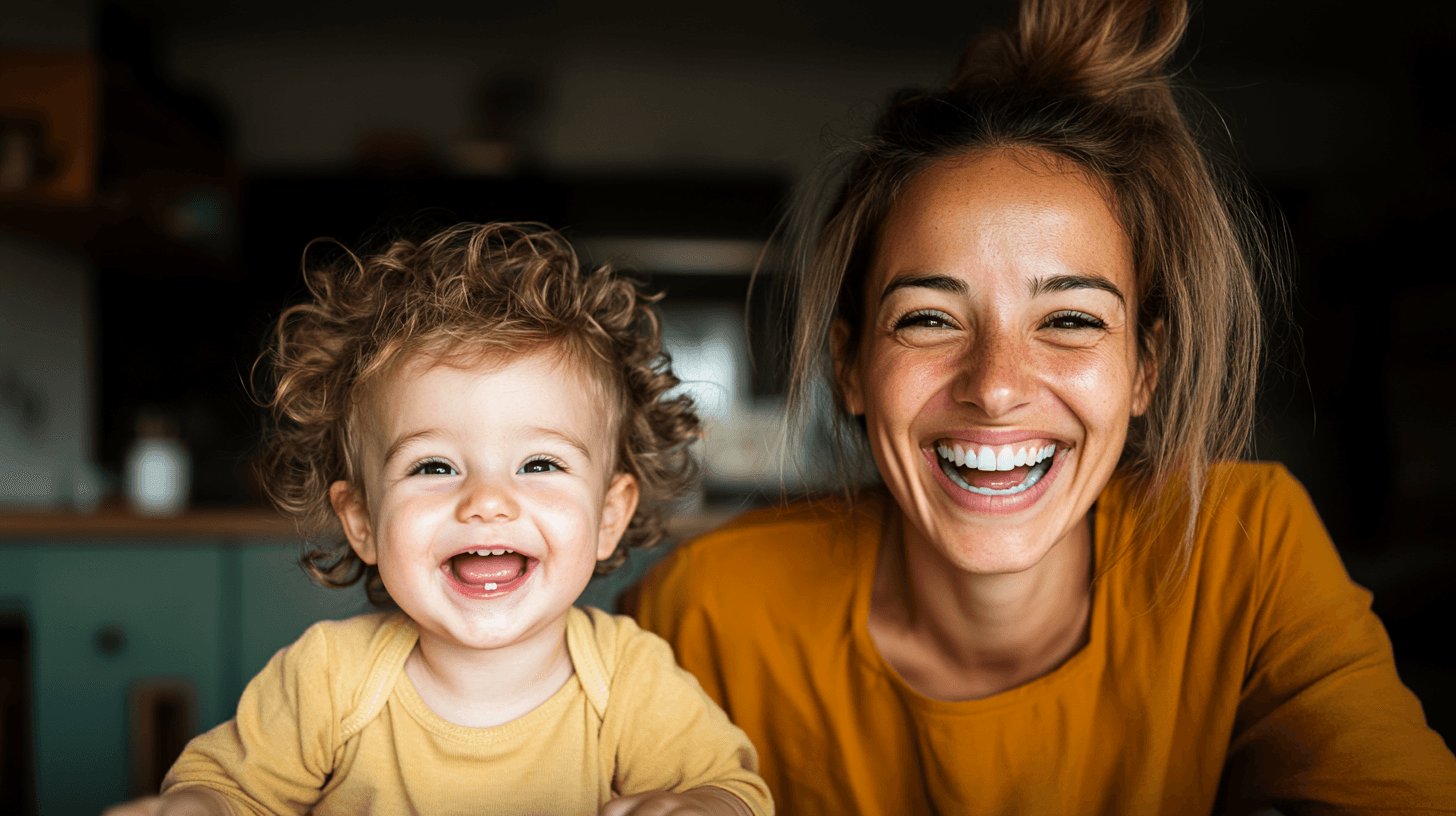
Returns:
point(925, 319)
point(540, 466)
point(434, 467)
point(1073, 320)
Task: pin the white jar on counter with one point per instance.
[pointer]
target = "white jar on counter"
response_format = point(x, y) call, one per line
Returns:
point(158, 476)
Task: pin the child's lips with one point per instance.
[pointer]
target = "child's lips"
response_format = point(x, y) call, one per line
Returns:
point(487, 576)
point(492, 567)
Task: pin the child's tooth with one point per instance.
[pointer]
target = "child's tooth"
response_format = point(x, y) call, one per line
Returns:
point(488, 586)
point(1020, 457)
point(1005, 459)
point(986, 461)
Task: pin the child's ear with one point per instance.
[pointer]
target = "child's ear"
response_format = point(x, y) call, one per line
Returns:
point(617, 508)
point(354, 517)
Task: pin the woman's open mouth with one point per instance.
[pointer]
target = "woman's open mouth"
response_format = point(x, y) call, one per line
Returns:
point(987, 470)
point(487, 572)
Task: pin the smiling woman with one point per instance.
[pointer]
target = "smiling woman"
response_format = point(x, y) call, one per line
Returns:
point(1036, 305)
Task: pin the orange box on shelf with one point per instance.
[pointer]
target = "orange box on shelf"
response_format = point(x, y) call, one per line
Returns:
point(49, 112)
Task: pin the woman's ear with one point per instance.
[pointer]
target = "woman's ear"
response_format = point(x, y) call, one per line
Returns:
point(354, 517)
point(617, 508)
point(1147, 371)
point(846, 373)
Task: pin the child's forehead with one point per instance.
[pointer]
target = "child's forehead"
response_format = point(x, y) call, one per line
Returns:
point(557, 361)
point(553, 363)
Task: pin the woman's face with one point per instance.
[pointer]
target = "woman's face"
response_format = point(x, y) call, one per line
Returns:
point(997, 368)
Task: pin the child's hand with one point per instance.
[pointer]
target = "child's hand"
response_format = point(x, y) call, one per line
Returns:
point(706, 801)
point(187, 802)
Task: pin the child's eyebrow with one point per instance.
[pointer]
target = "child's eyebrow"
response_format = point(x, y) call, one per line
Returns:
point(563, 437)
point(399, 443)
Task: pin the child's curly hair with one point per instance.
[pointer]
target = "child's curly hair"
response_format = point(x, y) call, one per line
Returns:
point(469, 290)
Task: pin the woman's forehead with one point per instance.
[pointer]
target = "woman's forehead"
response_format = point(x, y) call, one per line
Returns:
point(1006, 212)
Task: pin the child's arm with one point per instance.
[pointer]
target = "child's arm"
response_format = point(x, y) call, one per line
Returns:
point(695, 802)
point(185, 802)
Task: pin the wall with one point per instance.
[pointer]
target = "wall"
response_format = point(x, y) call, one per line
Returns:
point(45, 373)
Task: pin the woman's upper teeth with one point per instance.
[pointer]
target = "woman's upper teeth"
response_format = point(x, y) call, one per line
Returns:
point(1005, 457)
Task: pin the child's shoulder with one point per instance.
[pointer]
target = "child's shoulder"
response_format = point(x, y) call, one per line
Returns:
point(360, 633)
point(348, 649)
point(605, 647)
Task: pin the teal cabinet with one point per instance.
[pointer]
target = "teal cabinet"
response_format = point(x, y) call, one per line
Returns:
point(164, 603)
point(210, 612)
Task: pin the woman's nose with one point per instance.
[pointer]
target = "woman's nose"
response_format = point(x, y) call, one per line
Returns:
point(487, 498)
point(994, 373)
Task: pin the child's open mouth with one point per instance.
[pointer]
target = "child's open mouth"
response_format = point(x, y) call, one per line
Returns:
point(478, 572)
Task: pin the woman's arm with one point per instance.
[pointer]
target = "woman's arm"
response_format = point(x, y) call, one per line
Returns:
point(1324, 723)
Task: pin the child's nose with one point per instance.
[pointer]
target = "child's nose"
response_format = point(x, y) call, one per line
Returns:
point(488, 500)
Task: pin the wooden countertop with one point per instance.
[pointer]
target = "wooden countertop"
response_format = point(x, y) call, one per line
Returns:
point(113, 520)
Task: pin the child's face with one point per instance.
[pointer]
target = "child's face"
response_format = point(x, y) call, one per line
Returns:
point(500, 456)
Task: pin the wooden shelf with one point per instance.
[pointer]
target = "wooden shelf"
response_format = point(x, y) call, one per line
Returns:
point(115, 521)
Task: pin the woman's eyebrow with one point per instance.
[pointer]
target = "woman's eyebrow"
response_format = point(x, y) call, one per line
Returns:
point(940, 283)
point(1063, 283)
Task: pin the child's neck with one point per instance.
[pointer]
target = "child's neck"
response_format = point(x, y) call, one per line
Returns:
point(480, 688)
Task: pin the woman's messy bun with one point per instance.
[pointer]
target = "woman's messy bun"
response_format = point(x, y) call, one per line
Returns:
point(1098, 49)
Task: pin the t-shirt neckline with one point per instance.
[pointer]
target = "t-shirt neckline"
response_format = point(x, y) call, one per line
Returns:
point(868, 548)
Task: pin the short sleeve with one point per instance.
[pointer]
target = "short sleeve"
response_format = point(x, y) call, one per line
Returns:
point(1324, 723)
point(666, 733)
point(277, 754)
point(671, 605)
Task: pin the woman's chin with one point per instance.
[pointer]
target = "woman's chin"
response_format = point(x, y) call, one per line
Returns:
point(999, 535)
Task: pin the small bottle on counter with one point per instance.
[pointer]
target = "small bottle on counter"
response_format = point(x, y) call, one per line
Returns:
point(158, 473)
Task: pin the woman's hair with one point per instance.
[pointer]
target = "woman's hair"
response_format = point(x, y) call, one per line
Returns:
point(1083, 81)
point(468, 293)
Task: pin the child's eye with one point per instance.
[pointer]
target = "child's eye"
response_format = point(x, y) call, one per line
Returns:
point(540, 464)
point(925, 319)
point(434, 467)
point(1072, 320)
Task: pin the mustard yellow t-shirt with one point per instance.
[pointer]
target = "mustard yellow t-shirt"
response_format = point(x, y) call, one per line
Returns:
point(333, 725)
point(1264, 680)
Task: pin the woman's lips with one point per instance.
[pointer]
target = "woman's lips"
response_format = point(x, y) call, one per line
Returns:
point(995, 489)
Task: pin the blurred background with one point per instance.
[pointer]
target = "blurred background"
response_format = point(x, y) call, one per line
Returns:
point(163, 163)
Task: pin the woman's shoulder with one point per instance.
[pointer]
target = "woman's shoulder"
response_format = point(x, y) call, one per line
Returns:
point(1252, 481)
point(1234, 493)
point(807, 551)
point(1253, 518)
point(802, 532)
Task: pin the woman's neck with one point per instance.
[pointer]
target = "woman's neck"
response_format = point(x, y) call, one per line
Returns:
point(481, 688)
point(955, 635)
